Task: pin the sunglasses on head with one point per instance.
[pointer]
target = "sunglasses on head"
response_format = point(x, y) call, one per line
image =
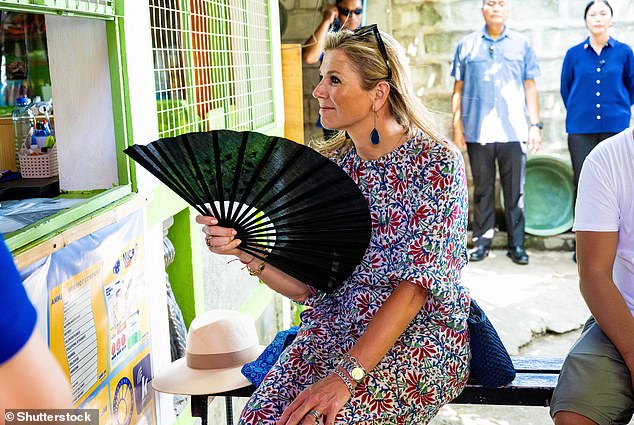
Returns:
point(347, 12)
point(374, 29)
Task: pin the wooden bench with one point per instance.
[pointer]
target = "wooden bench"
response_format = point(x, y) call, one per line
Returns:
point(533, 386)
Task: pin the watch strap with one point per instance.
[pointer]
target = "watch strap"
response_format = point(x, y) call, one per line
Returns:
point(350, 363)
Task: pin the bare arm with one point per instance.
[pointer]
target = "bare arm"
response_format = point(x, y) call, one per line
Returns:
point(314, 46)
point(277, 280)
point(330, 394)
point(456, 103)
point(390, 322)
point(532, 104)
point(32, 379)
point(596, 252)
point(223, 242)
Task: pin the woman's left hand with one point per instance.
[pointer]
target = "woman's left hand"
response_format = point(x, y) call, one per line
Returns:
point(326, 398)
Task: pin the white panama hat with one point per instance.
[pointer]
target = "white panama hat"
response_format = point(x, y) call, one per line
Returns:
point(219, 343)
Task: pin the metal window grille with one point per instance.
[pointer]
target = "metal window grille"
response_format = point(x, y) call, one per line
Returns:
point(212, 64)
point(103, 8)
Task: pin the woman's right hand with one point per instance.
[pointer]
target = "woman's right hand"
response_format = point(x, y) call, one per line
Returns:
point(221, 240)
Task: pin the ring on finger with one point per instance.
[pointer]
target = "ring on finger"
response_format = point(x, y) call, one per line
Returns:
point(316, 414)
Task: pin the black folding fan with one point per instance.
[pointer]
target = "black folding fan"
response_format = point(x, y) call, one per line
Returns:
point(289, 204)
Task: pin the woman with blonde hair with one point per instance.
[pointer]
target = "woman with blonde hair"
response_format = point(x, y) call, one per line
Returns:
point(391, 344)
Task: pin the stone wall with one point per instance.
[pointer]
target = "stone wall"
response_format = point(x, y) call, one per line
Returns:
point(430, 30)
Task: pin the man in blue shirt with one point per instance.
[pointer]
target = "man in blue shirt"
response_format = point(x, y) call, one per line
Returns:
point(495, 70)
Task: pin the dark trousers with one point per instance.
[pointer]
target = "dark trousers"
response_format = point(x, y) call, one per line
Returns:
point(580, 145)
point(511, 161)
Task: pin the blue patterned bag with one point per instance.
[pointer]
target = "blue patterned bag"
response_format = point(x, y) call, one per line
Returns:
point(257, 369)
point(490, 362)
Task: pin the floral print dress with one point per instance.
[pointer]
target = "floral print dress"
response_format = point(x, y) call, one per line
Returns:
point(417, 196)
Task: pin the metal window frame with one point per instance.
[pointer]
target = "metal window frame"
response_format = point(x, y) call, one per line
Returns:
point(96, 202)
point(102, 9)
point(210, 63)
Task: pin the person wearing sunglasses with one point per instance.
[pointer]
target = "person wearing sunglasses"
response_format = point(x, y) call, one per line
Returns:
point(495, 107)
point(345, 14)
point(390, 345)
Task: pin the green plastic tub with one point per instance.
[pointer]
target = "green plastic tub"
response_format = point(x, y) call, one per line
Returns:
point(548, 196)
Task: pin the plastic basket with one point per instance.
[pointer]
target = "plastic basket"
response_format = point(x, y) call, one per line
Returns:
point(39, 166)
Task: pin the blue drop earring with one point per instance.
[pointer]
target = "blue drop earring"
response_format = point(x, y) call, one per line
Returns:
point(374, 135)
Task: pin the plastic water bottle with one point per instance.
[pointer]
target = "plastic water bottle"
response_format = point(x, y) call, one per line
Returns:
point(23, 121)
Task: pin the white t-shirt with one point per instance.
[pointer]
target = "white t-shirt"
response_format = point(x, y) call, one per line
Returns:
point(605, 203)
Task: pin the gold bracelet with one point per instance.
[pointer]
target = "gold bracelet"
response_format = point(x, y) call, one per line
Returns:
point(259, 269)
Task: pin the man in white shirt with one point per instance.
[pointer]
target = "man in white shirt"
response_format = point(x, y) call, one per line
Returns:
point(596, 381)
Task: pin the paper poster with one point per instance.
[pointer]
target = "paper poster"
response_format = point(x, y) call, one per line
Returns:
point(125, 301)
point(78, 337)
point(127, 397)
point(100, 400)
point(97, 320)
point(131, 393)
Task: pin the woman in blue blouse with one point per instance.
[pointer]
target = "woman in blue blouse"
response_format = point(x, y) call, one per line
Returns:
point(597, 85)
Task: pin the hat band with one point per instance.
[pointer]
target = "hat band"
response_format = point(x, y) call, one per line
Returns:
point(222, 360)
